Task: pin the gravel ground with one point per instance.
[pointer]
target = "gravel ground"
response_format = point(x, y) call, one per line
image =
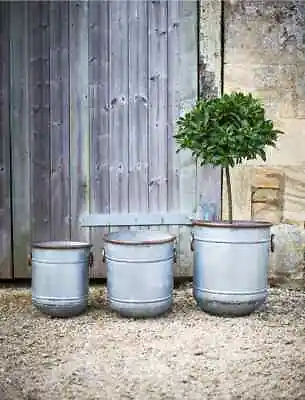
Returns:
point(186, 354)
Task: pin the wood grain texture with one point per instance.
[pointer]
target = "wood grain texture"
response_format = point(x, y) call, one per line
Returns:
point(173, 112)
point(118, 79)
point(99, 123)
point(135, 219)
point(5, 167)
point(138, 107)
point(188, 88)
point(79, 117)
point(20, 111)
point(157, 53)
point(39, 92)
point(59, 121)
point(96, 90)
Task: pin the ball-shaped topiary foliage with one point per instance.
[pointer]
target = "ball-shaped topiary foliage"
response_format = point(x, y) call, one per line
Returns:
point(225, 131)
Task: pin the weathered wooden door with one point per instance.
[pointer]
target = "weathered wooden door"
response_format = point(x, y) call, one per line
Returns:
point(95, 90)
point(5, 192)
point(141, 76)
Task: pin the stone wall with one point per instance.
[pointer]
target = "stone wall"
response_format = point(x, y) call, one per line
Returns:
point(264, 53)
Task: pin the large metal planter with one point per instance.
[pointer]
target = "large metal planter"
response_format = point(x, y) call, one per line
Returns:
point(60, 277)
point(230, 266)
point(139, 272)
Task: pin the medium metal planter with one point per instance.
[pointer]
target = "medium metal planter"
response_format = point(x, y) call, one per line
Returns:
point(60, 278)
point(139, 272)
point(230, 266)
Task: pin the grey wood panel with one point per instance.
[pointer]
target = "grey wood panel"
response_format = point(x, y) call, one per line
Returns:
point(127, 69)
point(135, 219)
point(59, 121)
point(173, 112)
point(157, 51)
point(79, 117)
point(138, 106)
point(119, 105)
point(5, 167)
point(119, 75)
point(39, 92)
point(99, 122)
point(188, 88)
point(20, 136)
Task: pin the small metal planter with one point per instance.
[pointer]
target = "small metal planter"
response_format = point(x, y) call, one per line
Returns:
point(230, 266)
point(140, 272)
point(60, 277)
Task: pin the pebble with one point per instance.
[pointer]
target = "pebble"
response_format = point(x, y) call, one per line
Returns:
point(101, 356)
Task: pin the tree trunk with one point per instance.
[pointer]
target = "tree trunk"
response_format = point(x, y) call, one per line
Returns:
point(229, 189)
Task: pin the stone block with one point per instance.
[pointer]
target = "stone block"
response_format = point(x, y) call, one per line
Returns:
point(294, 194)
point(300, 84)
point(271, 31)
point(268, 178)
point(287, 105)
point(287, 261)
point(290, 146)
point(300, 108)
point(266, 212)
point(266, 195)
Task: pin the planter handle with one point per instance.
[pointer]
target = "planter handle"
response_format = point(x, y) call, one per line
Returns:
point(30, 259)
point(103, 256)
point(90, 259)
point(272, 246)
point(175, 255)
point(192, 241)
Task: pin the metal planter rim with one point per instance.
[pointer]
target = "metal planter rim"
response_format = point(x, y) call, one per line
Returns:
point(60, 245)
point(236, 224)
point(166, 239)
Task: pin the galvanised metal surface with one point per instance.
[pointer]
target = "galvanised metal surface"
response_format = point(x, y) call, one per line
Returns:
point(60, 277)
point(230, 266)
point(139, 272)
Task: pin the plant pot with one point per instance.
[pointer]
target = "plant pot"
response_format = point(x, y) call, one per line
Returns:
point(230, 266)
point(60, 278)
point(139, 272)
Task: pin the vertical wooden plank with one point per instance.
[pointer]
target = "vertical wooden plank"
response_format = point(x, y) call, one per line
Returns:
point(173, 110)
point(157, 48)
point(20, 136)
point(208, 177)
point(39, 31)
point(79, 117)
point(59, 120)
point(174, 107)
point(118, 105)
point(187, 88)
point(208, 188)
point(99, 122)
point(138, 106)
point(5, 167)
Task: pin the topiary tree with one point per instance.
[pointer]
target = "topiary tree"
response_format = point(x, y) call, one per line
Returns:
point(225, 131)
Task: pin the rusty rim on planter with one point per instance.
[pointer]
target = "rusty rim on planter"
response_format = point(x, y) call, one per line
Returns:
point(107, 239)
point(235, 224)
point(60, 245)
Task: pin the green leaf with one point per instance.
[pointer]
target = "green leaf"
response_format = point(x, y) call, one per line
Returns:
point(226, 130)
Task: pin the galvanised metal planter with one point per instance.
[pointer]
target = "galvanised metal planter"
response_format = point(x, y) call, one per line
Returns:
point(230, 266)
point(60, 277)
point(139, 272)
